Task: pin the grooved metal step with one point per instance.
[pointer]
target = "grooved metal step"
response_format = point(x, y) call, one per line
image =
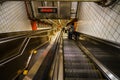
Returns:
point(79, 73)
point(106, 54)
point(79, 66)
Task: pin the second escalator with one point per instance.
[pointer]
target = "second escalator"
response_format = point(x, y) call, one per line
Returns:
point(77, 66)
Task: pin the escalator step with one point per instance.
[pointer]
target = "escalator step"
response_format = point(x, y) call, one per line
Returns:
point(79, 66)
point(94, 49)
point(76, 59)
point(76, 73)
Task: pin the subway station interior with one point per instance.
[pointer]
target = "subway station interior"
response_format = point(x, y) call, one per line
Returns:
point(59, 39)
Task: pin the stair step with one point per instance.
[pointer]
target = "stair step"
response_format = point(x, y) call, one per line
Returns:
point(79, 73)
point(79, 66)
point(76, 59)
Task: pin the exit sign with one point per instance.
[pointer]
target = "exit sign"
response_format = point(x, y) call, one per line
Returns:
point(47, 9)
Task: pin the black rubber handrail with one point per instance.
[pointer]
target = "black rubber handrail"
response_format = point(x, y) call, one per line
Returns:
point(12, 35)
point(106, 72)
point(23, 45)
point(55, 71)
point(44, 70)
point(19, 53)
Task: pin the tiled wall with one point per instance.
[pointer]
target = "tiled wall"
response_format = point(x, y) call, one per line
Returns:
point(100, 21)
point(13, 17)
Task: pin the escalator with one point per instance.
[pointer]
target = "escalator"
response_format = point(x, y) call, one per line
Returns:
point(77, 66)
point(107, 55)
point(18, 52)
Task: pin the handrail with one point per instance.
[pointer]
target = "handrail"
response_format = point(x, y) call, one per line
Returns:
point(31, 54)
point(23, 45)
point(21, 34)
point(57, 66)
point(110, 75)
point(22, 48)
point(61, 63)
point(107, 72)
point(8, 40)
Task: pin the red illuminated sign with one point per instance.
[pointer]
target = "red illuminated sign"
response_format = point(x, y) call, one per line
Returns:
point(47, 10)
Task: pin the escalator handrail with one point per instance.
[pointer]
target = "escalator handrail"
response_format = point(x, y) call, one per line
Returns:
point(55, 73)
point(109, 74)
point(31, 74)
point(21, 49)
point(22, 34)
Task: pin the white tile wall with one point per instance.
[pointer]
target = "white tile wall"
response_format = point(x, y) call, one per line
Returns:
point(13, 17)
point(100, 21)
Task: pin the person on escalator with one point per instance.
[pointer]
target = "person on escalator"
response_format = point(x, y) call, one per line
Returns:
point(76, 33)
point(65, 29)
point(70, 31)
